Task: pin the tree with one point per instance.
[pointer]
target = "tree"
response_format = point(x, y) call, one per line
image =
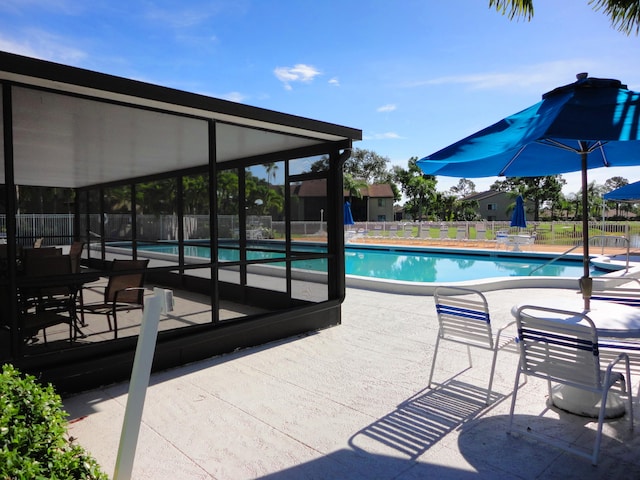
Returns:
point(624, 14)
point(418, 187)
point(353, 186)
point(594, 199)
point(464, 188)
point(614, 183)
point(368, 166)
point(363, 165)
point(271, 169)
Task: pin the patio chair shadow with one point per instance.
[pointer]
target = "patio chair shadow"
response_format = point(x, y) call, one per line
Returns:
point(422, 420)
point(485, 444)
point(346, 463)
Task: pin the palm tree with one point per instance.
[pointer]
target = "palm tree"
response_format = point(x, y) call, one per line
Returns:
point(624, 14)
point(353, 186)
point(271, 169)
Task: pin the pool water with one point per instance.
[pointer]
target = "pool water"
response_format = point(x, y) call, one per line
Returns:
point(410, 266)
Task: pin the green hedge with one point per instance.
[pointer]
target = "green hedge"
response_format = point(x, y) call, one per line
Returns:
point(33, 440)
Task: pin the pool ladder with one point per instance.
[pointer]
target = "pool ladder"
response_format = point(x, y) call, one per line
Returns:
point(606, 237)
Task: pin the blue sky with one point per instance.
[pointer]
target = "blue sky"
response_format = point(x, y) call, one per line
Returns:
point(414, 75)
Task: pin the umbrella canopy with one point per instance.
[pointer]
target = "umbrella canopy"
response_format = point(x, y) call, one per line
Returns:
point(348, 218)
point(628, 193)
point(518, 218)
point(590, 123)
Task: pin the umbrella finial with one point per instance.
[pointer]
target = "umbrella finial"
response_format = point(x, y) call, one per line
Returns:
point(582, 76)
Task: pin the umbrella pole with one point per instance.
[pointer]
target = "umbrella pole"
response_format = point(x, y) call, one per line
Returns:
point(586, 282)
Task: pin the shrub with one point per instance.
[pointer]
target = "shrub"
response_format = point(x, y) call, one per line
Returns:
point(33, 441)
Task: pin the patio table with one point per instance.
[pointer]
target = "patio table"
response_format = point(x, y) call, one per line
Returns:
point(35, 286)
point(612, 321)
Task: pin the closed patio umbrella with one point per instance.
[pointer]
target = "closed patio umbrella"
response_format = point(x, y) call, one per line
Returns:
point(587, 124)
point(518, 218)
point(348, 217)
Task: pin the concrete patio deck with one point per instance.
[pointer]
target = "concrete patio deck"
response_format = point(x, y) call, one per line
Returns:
point(352, 402)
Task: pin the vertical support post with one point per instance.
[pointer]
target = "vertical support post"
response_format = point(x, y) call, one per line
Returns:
point(138, 386)
point(586, 282)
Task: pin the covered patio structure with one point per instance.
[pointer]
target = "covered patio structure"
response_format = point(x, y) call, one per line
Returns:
point(201, 187)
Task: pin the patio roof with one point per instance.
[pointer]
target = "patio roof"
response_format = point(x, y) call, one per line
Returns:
point(75, 128)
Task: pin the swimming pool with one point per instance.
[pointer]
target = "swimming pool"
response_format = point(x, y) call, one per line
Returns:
point(412, 264)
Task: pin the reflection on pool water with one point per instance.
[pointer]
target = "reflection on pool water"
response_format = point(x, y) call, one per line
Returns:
point(414, 265)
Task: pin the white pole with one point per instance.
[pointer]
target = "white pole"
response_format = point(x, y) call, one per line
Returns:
point(139, 383)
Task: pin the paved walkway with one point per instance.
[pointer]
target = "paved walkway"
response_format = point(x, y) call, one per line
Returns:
point(351, 402)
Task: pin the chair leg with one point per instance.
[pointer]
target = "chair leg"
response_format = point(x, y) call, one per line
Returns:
point(433, 362)
point(629, 389)
point(513, 402)
point(596, 445)
point(81, 297)
point(115, 323)
point(493, 369)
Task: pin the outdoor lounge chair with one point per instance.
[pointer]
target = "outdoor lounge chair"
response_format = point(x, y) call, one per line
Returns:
point(444, 233)
point(124, 292)
point(481, 232)
point(562, 347)
point(463, 317)
point(376, 232)
point(75, 253)
point(425, 231)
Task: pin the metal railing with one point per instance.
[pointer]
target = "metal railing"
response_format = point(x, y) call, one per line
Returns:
point(605, 239)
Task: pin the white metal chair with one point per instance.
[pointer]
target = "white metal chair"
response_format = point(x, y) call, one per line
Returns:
point(425, 231)
point(408, 231)
point(463, 317)
point(444, 233)
point(562, 347)
point(481, 232)
point(502, 238)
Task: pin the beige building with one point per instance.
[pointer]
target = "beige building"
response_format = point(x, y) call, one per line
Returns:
point(376, 204)
point(498, 206)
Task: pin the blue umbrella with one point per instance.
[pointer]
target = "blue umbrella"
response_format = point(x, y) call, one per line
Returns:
point(628, 193)
point(590, 123)
point(348, 218)
point(518, 218)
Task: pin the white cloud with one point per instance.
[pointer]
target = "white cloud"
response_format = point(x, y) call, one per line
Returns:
point(234, 97)
point(44, 46)
point(387, 108)
point(382, 136)
point(334, 81)
point(537, 77)
point(298, 73)
point(184, 17)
